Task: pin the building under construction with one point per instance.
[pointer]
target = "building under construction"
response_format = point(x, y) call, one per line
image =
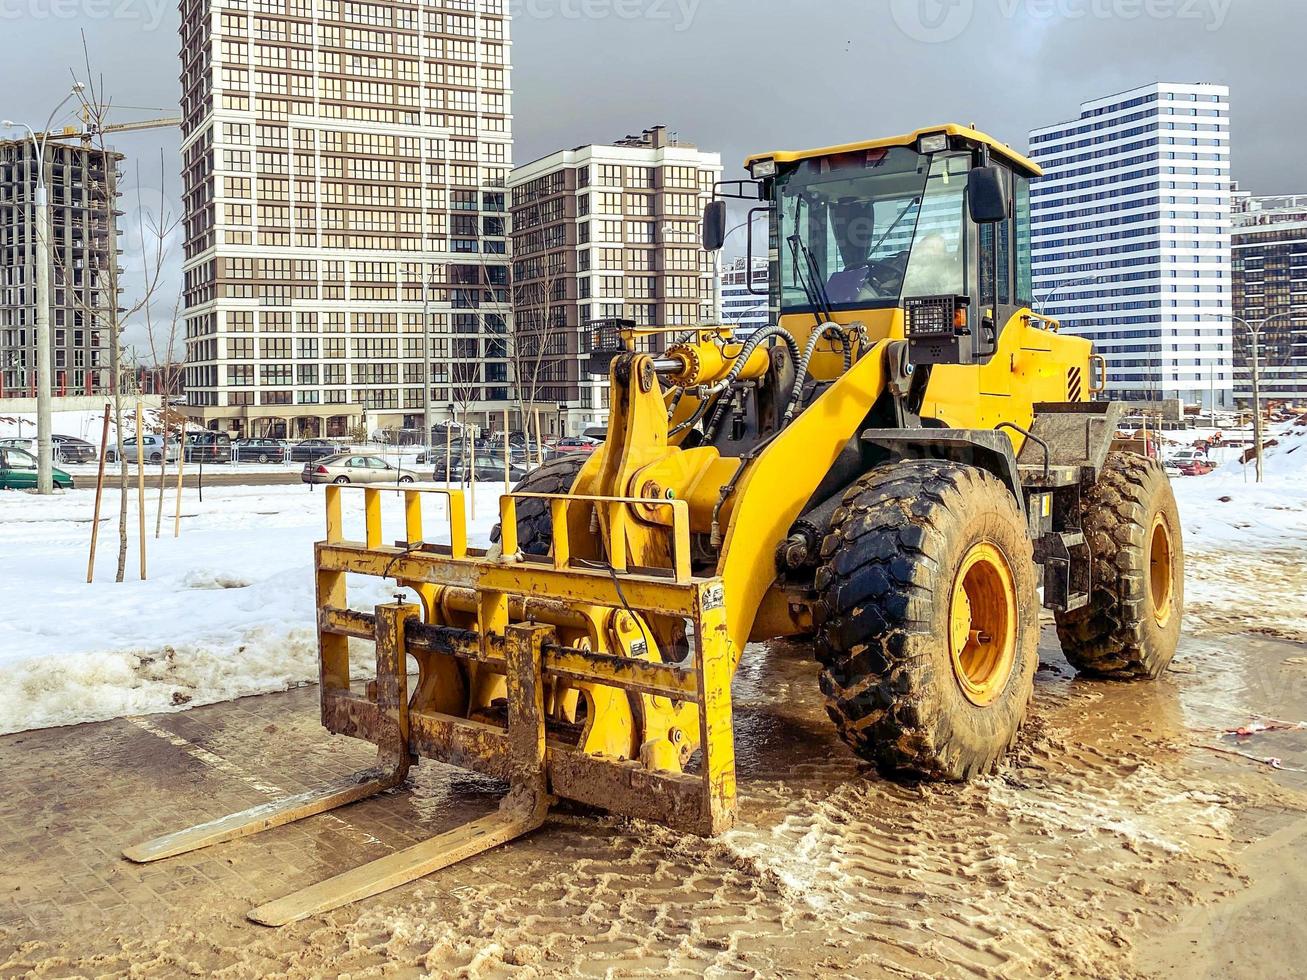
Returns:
point(83, 226)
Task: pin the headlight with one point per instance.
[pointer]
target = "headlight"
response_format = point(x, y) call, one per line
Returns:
point(762, 168)
point(934, 143)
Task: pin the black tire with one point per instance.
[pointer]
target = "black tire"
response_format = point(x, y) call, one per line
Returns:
point(1131, 626)
point(341, 481)
point(893, 559)
point(155, 458)
point(263, 457)
point(535, 526)
point(405, 479)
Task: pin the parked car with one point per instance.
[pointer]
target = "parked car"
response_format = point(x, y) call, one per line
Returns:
point(1196, 467)
point(261, 451)
point(70, 449)
point(489, 469)
point(13, 442)
point(152, 449)
point(572, 444)
point(1183, 457)
point(311, 449)
point(355, 468)
point(1171, 470)
point(208, 447)
point(18, 471)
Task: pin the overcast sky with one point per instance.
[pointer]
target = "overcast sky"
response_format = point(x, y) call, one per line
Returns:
point(745, 75)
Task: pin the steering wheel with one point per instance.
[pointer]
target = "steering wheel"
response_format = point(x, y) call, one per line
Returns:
point(885, 276)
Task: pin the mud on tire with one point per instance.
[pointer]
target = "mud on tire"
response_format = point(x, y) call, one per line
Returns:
point(535, 526)
point(884, 616)
point(1131, 626)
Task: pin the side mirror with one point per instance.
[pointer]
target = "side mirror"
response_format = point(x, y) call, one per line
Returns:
point(714, 226)
point(987, 196)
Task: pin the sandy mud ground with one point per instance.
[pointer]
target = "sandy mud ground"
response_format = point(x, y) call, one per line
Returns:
point(1117, 842)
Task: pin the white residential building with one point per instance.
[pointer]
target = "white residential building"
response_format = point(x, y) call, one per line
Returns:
point(744, 308)
point(1131, 235)
point(345, 170)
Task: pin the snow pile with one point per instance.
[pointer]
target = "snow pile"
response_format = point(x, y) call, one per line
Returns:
point(227, 610)
point(1283, 463)
point(1246, 543)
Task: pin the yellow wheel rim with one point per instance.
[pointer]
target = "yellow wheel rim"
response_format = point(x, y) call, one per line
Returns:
point(1161, 580)
point(983, 623)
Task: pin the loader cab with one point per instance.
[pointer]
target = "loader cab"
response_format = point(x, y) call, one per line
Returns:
point(935, 224)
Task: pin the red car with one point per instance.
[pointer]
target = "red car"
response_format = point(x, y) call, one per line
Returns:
point(573, 445)
point(1198, 467)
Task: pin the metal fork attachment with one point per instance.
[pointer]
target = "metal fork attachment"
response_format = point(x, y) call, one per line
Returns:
point(570, 696)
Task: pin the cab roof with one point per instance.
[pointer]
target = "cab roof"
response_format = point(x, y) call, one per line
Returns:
point(1017, 160)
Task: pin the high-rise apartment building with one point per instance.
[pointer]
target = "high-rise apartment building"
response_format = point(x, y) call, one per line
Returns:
point(605, 232)
point(83, 240)
point(1270, 281)
point(344, 173)
point(1131, 237)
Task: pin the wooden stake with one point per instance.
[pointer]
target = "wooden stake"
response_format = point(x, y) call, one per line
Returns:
point(140, 481)
point(99, 493)
point(163, 478)
point(181, 465)
point(449, 459)
point(470, 470)
point(508, 480)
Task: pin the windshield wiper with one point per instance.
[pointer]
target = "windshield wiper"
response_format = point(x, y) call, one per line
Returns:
point(814, 285)
point(915, 202)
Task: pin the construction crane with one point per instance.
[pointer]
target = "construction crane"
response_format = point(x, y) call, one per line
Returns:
point(89, 129)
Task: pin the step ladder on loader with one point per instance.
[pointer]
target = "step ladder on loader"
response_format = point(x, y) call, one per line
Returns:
point(550, 695)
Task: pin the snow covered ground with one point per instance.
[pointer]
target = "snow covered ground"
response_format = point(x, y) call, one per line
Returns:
point(1246, 543)
point(228, 607)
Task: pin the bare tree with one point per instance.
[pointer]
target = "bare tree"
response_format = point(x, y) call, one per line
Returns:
point(538, 341)
point(108, 316)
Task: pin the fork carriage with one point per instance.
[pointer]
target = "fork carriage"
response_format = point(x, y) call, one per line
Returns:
point(566, 697)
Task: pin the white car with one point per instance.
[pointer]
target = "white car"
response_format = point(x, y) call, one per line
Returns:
point(151, 449)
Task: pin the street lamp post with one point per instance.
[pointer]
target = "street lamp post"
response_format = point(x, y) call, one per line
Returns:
point(1064, 284)
point(1255, 328)
point(427, 438)
point(44, 361)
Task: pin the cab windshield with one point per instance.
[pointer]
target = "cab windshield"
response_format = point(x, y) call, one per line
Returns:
point(864, 229)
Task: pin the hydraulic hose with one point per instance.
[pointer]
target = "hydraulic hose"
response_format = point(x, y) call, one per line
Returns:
point(750, 345)
point(801, 373)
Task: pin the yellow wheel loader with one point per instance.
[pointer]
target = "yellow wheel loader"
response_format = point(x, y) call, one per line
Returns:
point(899, 469)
